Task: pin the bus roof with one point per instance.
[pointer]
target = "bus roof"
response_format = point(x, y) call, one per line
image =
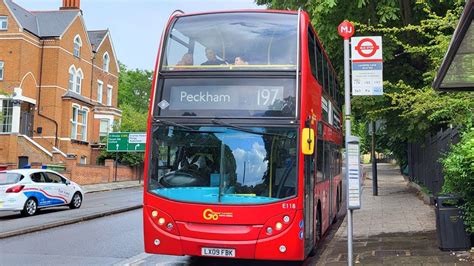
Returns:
point(239, 11)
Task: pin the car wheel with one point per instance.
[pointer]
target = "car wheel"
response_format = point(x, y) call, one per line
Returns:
point(30, 208)
point(76, 201)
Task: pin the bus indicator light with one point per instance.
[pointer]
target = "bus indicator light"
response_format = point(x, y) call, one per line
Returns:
point(286, 219)
point(169, 226)
point(154, 214)
point(157, 242)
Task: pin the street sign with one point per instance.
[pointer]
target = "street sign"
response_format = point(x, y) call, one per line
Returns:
point(345, 29)
point(367, 65)
point(353, 172)
point(126, 142)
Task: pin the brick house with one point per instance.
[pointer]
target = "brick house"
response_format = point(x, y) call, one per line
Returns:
point(58, 84)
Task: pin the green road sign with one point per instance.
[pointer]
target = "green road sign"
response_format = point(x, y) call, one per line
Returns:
point(126, 142)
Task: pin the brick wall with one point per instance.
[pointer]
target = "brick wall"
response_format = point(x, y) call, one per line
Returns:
point(96, 174)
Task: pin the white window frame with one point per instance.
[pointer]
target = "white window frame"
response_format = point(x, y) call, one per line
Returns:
point(83, 160)
point(106, 62)
point(74, 120)
point(2, 20)
point(72, 74)
point(85, 113)
point(108, 128)
point(100, 91)
point(6, 122)
point(2, 64)
point(79, 78)
point(110, 90)
point(77, 46)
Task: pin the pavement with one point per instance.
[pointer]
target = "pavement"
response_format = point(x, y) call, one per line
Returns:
point(100, 200)
point(111, 186)
point(394, 228)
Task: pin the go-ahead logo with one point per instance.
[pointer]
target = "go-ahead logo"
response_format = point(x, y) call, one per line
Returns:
point(209, 214)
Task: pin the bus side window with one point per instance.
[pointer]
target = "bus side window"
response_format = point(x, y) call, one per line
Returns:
point(311, 52)
point(319, 59)
point(320, 161)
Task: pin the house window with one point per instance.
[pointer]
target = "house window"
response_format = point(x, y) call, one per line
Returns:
point(100, 88)
point(104, 130)
point(3, 23)
point(109, 95)
point(74, 121)
point(83, 160)
point(79, 77)
point(77, 46)
point(6, 107)
point(85, 112)
point(72, 76)
point(1, 70)
point(106, 61)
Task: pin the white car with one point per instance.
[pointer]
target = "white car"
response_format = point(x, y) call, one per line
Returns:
point(28, 190)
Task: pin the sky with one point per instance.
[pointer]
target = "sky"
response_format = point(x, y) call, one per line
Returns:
point(136, 25)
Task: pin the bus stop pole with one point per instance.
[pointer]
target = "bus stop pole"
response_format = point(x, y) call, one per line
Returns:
point(347, 97)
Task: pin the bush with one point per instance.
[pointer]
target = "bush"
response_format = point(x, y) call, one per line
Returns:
point(458, 168)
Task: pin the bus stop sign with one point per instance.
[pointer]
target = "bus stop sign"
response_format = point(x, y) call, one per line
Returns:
point(345, 29)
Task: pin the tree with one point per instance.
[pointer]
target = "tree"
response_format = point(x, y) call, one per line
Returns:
point(134, 88)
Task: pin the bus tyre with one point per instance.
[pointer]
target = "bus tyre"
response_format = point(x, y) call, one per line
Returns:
point(76, 201)
point(30, 208)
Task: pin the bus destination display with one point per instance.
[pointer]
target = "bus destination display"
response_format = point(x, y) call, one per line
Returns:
point(226, 98)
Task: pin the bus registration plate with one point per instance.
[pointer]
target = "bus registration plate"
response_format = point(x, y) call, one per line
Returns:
point(218, 252)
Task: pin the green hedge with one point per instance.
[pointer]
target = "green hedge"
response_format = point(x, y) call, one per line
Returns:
point(458, 168)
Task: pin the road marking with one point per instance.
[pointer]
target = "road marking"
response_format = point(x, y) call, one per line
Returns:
point(135, 260)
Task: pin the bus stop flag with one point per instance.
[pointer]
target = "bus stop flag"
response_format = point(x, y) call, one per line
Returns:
point(367, 65)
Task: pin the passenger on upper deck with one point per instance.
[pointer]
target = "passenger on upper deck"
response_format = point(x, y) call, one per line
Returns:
point(186, 60)
point(239, 60)
point(211, 58)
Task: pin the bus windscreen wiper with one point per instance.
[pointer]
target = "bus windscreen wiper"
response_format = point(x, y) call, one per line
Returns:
point(243, 129)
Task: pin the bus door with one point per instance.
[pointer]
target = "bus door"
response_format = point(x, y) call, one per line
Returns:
point(309, 218)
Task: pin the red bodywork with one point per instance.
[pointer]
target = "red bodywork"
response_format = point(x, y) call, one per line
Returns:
point(243, 228)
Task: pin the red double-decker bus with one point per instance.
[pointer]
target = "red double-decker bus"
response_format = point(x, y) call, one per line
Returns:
point(243, 146)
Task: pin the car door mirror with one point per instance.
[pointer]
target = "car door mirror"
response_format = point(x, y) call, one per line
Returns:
point(68, 182)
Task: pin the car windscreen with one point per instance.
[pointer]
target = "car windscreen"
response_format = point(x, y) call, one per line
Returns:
point(9, 178)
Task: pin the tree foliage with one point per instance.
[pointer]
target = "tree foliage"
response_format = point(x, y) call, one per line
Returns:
point(458, 167)
point(416, 35)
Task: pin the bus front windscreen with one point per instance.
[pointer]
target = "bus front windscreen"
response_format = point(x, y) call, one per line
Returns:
point(232, 41)
point(223, 165)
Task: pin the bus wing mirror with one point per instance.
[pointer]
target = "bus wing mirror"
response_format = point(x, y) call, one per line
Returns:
point(307, 141)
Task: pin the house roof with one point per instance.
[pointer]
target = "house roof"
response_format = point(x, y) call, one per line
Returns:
point(43, 23)
point(96, 37)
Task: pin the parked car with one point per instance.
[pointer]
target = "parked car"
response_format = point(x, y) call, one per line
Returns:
point(28, 190)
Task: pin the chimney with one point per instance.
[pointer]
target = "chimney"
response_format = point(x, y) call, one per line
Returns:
point(71, 4)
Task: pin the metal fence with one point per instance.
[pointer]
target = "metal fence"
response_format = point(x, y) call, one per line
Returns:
point(423, 159)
